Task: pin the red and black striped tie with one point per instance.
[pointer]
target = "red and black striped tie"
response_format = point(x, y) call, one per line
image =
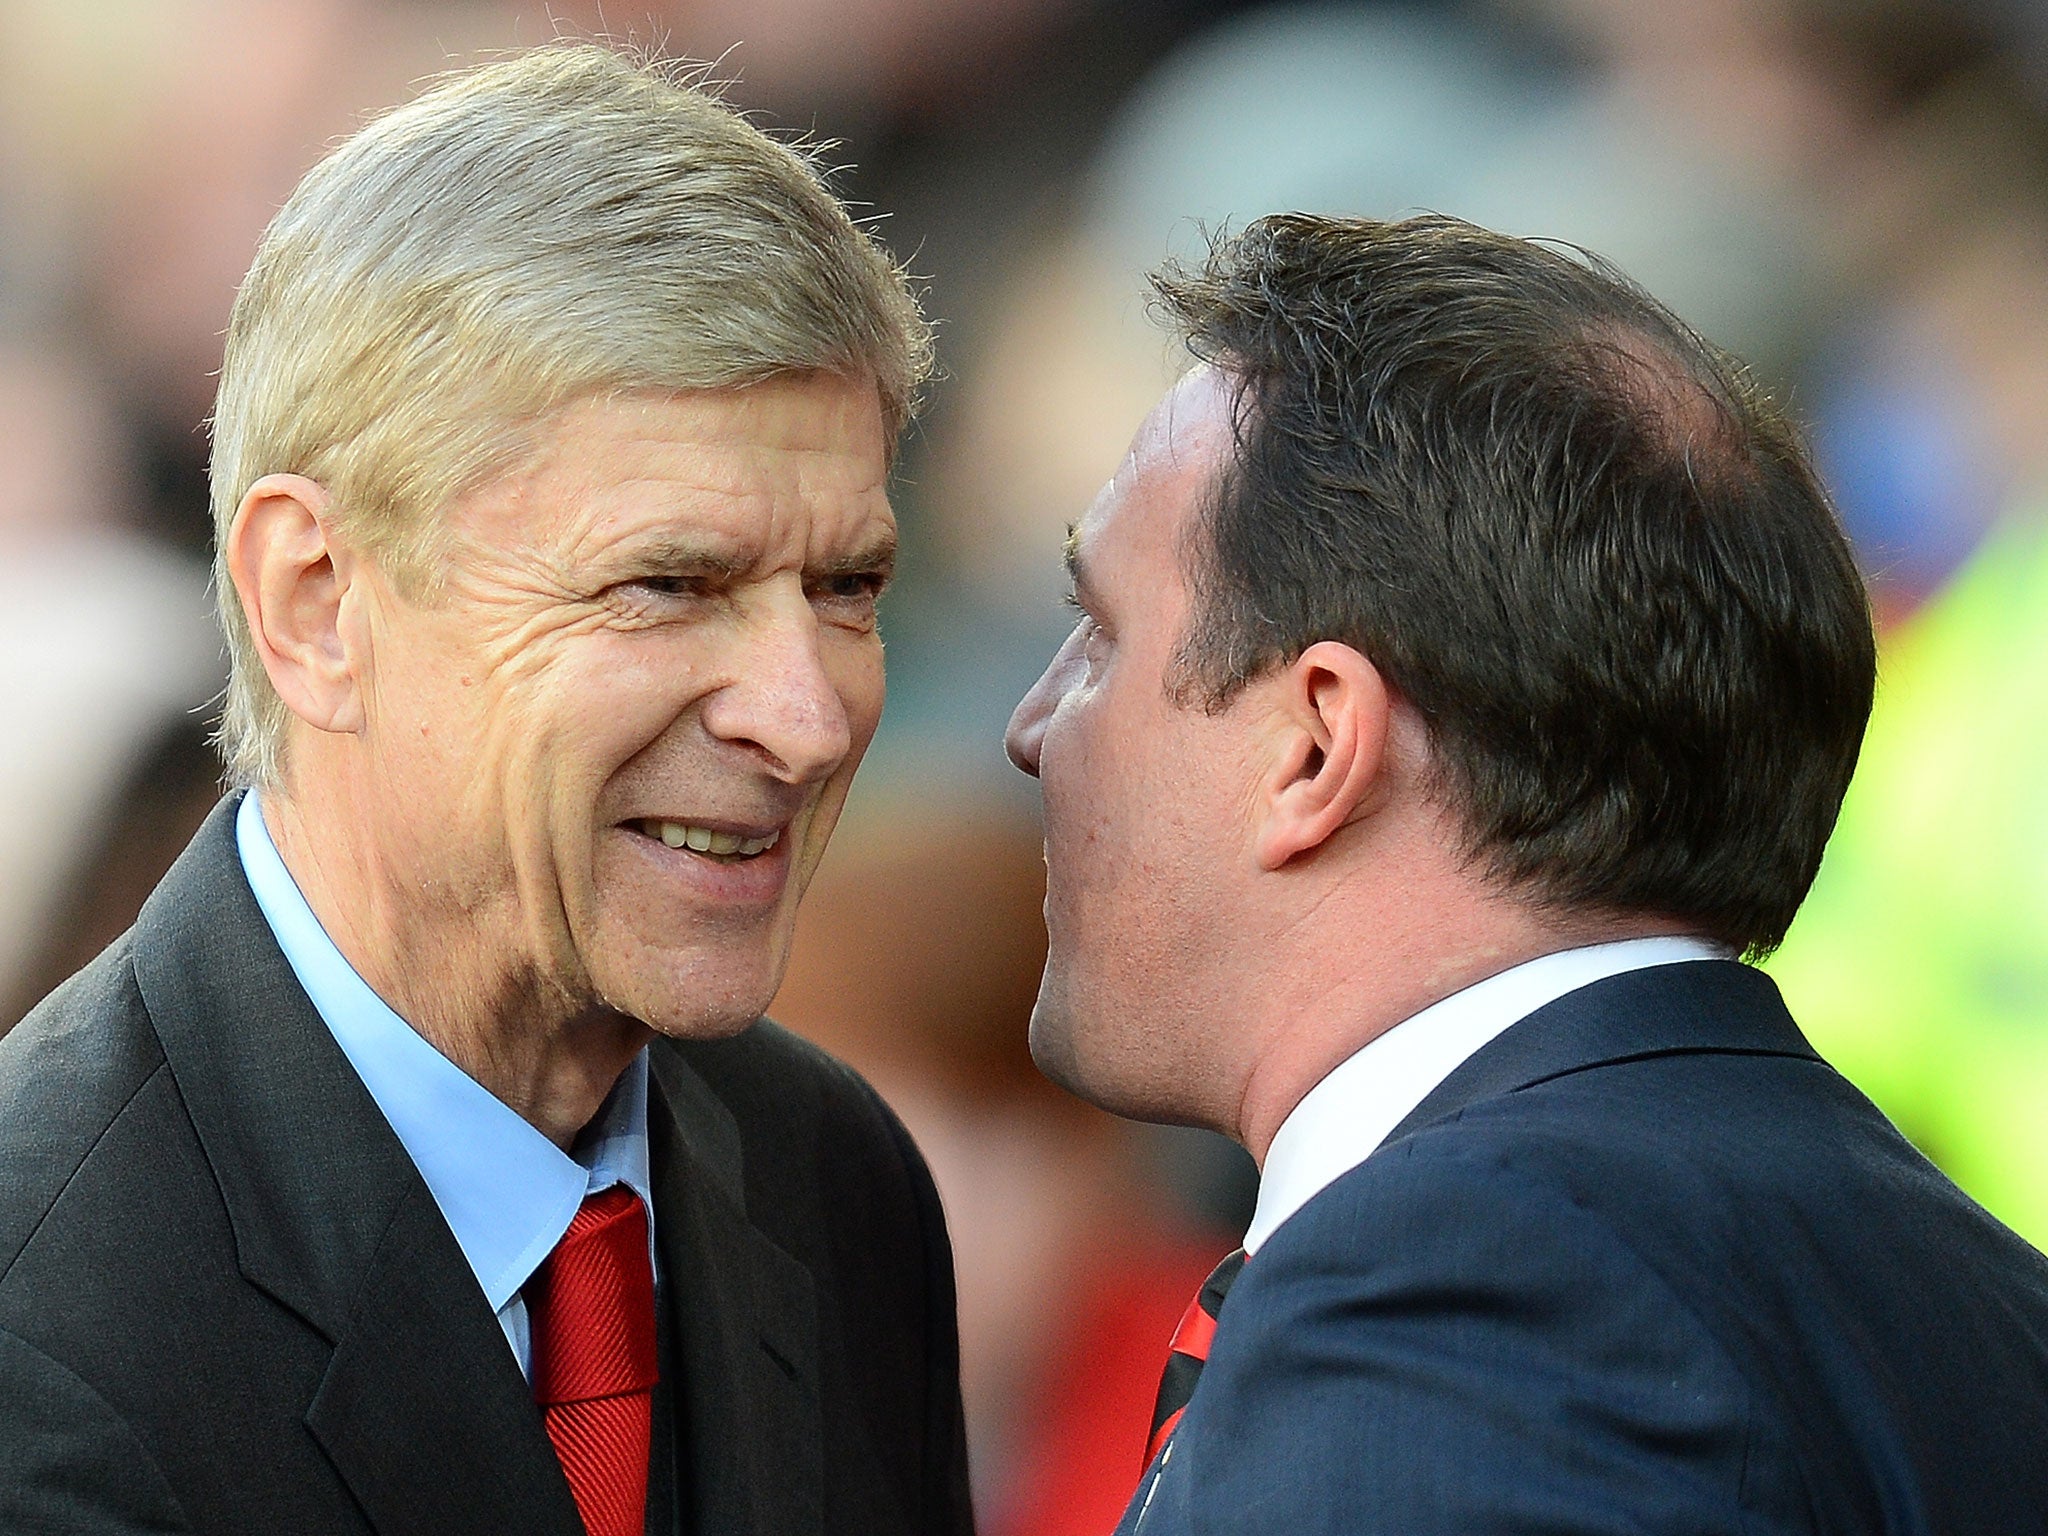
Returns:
point(1190, 1349)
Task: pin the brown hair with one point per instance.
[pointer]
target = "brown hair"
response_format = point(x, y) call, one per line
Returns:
point(1576, 537)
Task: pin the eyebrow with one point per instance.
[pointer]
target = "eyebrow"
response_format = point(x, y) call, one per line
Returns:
point(876, 557)
point(1077, 568)
point(683, 557)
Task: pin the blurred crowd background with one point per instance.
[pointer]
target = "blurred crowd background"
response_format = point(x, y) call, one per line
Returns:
point(1852, 194)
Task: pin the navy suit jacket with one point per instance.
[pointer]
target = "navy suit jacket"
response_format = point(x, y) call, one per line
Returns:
point(228, 1302)
point(1643, 1264)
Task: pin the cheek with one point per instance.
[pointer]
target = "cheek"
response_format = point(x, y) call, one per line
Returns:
point(1092, 816)
point(858, 679)
point(595, 711)
point(431, 730)
point(1119, 813)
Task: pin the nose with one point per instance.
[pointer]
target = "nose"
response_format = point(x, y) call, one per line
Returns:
point(1025, 738)
point(783, 700)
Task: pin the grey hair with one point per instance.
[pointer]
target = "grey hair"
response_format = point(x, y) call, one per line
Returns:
point(564, 221)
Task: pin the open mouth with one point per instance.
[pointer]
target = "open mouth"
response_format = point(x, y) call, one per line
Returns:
point(730, 847)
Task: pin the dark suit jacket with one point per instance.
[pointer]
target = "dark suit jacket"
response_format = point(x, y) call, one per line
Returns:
point(1644, 1264)
point(228, 1302)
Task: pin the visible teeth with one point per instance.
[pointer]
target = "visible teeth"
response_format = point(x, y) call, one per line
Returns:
point(678, 834)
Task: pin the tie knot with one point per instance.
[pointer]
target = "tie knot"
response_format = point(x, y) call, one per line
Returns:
point(1198, 1323)
point(1217, 1286)
point(591, 1303)
point(1190, 1350)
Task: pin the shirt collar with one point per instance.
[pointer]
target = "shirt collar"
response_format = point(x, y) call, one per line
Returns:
point(1343, 1119)
point(506, 1191)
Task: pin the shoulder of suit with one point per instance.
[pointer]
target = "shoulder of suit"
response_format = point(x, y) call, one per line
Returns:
point(1671, 1169)
point(1658, 1139)
point(1727, 1181)
point(68, 1072)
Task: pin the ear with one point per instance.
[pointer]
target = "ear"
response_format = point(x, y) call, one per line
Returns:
point(292, 575)
point(1333, 714)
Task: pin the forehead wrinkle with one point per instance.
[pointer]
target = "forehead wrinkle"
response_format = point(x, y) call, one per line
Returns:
point(690, 522)
point(697, 493)
point(730, 537)
point(716, 474)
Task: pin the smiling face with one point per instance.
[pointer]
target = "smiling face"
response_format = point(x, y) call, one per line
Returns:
point(601, 760)
point(1145, 826)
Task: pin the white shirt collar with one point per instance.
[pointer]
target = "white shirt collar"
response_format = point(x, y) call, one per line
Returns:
point(506, 1191)
point(1343, 1119)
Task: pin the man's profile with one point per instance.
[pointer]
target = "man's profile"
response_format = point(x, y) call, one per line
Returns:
point(1468, 672)
point(417, 1162)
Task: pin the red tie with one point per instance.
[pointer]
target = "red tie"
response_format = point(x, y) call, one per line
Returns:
point(591, 1303)
point(1190, 1350)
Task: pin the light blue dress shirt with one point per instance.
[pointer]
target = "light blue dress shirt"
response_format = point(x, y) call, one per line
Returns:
point(507, 1192)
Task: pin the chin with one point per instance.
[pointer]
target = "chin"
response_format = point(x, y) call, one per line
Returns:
point(1057, 1052)
point(1110, 1063)
point(695, 1006)
point(686, 974)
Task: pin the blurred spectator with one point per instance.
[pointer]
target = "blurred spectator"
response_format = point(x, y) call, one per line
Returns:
point(1920, 962)
point(67, 467)
point(107, 656)
point(1919, 965)
point(1932, 407)
point(106, 649)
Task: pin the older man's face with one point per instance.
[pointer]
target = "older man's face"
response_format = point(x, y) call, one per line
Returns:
point(607, 754)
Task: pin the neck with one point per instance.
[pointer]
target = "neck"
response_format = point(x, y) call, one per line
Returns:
point(1379, 962)
point(548, 1057)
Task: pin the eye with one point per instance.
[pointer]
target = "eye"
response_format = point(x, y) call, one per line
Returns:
point(667, 586)
point(853, 586)
point(659, 598)
point(1087, 628)
point(848, 598)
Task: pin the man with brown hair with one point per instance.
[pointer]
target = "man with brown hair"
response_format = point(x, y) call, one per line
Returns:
point(1468, 672)
point(419, 1162)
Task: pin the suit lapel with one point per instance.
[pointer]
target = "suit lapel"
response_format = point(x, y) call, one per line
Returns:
point(1698, 1005)
point(750, 1443)
point(423, 1411)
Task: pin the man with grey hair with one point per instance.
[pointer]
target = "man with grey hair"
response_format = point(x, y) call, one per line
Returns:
point(419, 1162)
